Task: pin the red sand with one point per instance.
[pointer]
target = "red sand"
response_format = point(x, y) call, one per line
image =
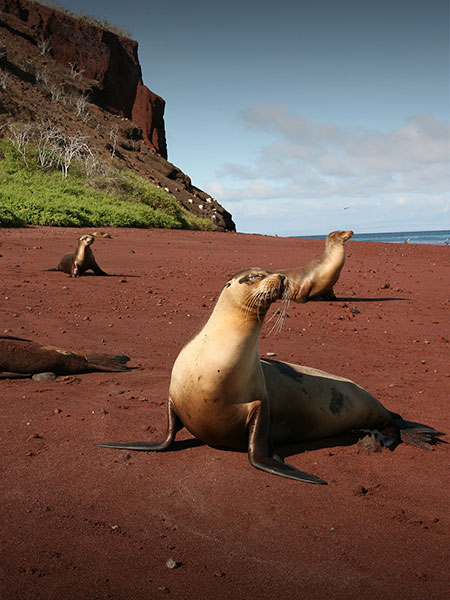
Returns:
point(82, 522)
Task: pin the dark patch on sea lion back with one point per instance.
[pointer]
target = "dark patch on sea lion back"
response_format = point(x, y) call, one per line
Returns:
point(336, 402)
point(285, 369)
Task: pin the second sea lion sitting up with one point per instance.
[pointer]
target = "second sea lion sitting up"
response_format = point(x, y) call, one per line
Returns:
point(76, 263)
point(317, 278)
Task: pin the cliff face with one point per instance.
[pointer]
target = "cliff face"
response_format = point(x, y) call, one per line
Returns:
point(102, 56)
point(85, 79)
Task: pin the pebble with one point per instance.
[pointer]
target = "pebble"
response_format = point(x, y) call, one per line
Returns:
point(44, 376)
point(172, 564)
point(270, 354)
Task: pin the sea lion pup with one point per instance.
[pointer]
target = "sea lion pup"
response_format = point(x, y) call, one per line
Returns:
point(317, 278)
point(76, 263)
point(21, 356)
point(225, 395)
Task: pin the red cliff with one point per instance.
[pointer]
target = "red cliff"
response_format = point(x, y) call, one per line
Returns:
point(101, 55)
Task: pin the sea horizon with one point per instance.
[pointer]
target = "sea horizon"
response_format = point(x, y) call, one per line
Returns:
point(437, 237)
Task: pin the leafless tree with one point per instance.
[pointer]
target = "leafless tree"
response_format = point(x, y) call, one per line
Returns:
point(57, 92)
point(113, 136)
point(47, 145)
point(81, 109)
point(4, 78)
point(20, 135)
point(71, 147)
point(43, 77)
point(44, 46)
point(75, 72)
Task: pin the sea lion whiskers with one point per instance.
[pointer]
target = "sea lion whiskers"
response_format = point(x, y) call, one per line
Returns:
point(254, 304)
point(259, 301)
point(281, 315)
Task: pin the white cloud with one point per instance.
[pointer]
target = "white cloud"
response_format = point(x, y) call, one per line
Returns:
point(304, 166)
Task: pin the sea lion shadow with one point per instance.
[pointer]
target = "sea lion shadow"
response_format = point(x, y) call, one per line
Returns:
point(108, 275)
point(348, 439)
point(185, 444)
point(356, 299)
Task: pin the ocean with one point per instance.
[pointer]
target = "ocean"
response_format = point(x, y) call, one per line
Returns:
point(436, 238)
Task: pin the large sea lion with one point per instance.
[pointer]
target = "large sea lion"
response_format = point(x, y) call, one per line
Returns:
point(76, 263)
point(225, 395)
point(21, 357)
point(317, 278)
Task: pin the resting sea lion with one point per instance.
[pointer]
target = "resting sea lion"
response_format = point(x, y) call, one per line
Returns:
point(24, 357)
point(225, 395)
point(318, 277)
point(76, 263)
point(102, 234)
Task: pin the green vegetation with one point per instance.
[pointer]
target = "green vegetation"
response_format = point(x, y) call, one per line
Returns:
point(30, 195)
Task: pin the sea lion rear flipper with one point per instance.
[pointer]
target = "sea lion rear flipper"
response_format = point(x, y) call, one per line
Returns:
point(98, 358)
point(421, 437)
point(174, 424)
point(259, 454)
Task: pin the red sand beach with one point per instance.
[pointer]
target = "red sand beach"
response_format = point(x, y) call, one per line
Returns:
point(81, 522)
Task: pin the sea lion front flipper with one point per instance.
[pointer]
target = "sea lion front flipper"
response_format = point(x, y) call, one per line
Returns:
point(259, 453)
point(174, 424)
point(330, 295)
point(304, 292)
point(9, 375)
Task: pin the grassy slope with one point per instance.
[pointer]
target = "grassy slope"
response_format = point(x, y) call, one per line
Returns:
point(32, 196)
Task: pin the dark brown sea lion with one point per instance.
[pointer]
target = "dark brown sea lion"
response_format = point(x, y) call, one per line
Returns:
point(225, 395)
point(317, 278)
point(76, 263)
point(20, 357)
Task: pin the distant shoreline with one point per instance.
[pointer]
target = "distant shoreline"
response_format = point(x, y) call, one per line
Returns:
point(433, 237)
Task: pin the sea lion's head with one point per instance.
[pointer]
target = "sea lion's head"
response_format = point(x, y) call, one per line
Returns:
point(86, 240)
point(255, 289)
point(339, 236)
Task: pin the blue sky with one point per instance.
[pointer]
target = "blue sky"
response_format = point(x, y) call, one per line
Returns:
point(304, 116)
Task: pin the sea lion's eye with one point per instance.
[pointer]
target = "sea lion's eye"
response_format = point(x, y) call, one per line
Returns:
point(251, 277)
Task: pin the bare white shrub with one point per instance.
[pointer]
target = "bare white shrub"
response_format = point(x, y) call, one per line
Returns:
point(113, 136)
point(43, 77)
point(4, 78)
point(75, 72)
point(57, 92)
point(44, 47)
point(47, 145)
point(94, 166)
point(70, 148)
point(3, 53)
point(81, 109)
point(20, 135)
